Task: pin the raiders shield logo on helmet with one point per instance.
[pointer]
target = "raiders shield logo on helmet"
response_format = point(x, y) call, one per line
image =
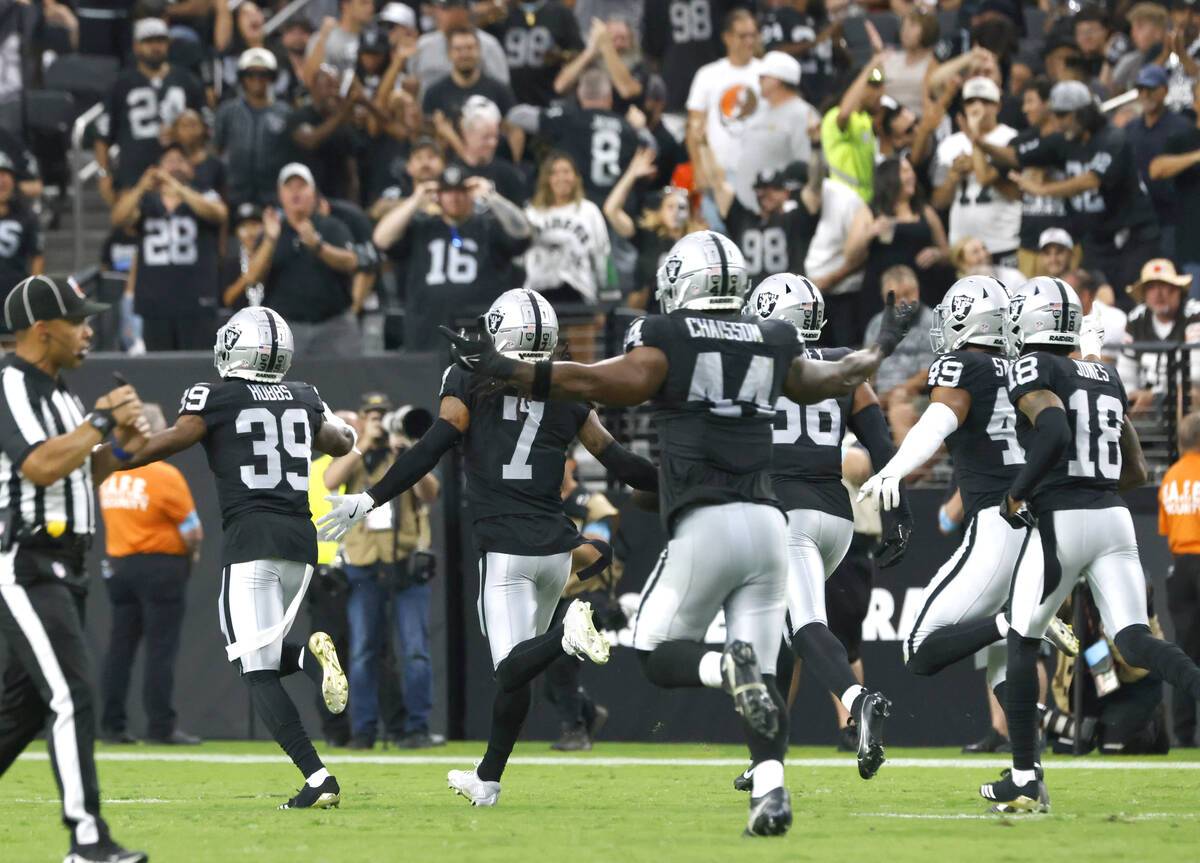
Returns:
point(231, 337)
point(673, 266)
point(766, 303)
point(960, 307)
point(494, 320)
point(1014, 307)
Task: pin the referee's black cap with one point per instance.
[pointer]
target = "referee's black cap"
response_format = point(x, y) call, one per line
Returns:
point(38, 298)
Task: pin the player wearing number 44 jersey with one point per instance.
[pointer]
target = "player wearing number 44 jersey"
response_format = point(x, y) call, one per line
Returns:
point(970, 411)
point(260, 432)
point(713, 376)
point(1079, 452)
point(515, 449)
point(807, 474)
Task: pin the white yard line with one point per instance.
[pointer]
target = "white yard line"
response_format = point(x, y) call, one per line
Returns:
point(577, 761)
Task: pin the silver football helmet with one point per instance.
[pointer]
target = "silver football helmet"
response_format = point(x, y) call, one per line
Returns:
point(1044, 311)
point(254, 345)
point(973, 312)
point(792, 298)
point(704, 270)
point(522, 325)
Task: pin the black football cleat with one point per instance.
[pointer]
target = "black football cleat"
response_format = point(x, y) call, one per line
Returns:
point(744, 781)
point(326, 795)
point(771, 814)
point(873, 711)
point(743, 680)
point(1007, 797)
point(106, 851)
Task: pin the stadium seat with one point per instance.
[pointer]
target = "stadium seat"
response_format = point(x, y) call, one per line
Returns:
point(50, 111)
point(88, 78)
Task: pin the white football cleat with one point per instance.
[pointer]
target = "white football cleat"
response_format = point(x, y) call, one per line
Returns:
point(580, 637)
point(469, 785)
point(334, 687)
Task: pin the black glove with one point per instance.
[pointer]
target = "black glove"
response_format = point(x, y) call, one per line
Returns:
point(477, 353)
point(895, 323)
point(607, 614)
point(1020, 519)
point(897, 529)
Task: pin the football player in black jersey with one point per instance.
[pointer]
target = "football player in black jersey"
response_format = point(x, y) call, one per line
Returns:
point(259, 432)
point(1079, 453)
point(807, 474)
point(970, 411)
point(714, 377)
point(515, 449)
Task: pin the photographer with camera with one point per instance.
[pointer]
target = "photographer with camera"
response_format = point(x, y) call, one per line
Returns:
point(387, 565)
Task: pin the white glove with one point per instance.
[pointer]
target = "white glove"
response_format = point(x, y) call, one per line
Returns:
point(1091, 334)
point(347, 509)
point(886, 489)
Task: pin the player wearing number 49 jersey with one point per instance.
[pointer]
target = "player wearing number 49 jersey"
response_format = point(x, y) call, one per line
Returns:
point(713, 376)
point(1079, 452)
point(260, 432)
point(515, 449)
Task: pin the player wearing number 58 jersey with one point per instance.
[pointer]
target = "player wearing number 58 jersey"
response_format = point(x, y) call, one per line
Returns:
point(515, 449)
point(259, 432)
point(807, 473)
point(713, 376)
point(1079, 452)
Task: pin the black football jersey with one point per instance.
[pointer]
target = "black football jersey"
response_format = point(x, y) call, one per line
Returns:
point(1086, 475)
point(683, 35)
point(786, 25)
point(807, 459)
point(600, 143)
point(259, 444)
point(138, 108)
point(536, 44)
point(984, 448)
point(20, 242)
point(177, 260)
point(715, 413)
point(777, 244)
point(514, 453)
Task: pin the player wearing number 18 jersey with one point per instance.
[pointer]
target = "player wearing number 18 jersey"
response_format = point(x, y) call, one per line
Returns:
point(713, 376)
point(1080, 451)
point(259, 432)
point(515, 449)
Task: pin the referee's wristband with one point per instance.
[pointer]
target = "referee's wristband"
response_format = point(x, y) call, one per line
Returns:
point(120, 454)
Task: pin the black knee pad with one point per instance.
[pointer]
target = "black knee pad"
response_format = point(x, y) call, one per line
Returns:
point(643, 657)
point(1133, 641)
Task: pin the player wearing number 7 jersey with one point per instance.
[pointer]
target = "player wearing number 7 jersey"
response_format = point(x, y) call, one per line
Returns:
point(1079, 452)
point(514, 449)
point(259, 432)
point(713, 376)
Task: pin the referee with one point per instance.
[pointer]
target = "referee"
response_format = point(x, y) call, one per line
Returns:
point(47, 517)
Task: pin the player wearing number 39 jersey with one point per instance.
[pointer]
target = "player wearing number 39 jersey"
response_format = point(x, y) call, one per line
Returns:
point(515, 449)
point(1079, 452)
point(713, 375)
point(260, 432)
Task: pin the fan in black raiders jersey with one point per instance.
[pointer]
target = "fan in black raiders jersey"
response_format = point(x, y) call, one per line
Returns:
point(807, 474)
point(970, 412)
point(538, 38)
point(260, 432)
point(145, 97)
point(515, 449)
point(713, 377)
point(1079, 453)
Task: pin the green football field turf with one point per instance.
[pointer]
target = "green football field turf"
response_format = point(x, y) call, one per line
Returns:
point(620, 803)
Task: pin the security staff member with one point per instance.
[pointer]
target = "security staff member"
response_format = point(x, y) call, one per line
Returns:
point(152, 534)
point(48, 462)
point(1179, 521)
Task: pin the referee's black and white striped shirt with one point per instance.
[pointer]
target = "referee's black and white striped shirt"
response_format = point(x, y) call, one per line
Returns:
point(35, 407)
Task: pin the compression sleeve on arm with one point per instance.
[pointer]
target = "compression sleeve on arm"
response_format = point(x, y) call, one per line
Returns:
point(1053, 434)
point(629, 468)
point(922, 441)
point(872, 431)
point(416, 462)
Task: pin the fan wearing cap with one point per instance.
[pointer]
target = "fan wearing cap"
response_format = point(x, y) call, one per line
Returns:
point(1112, 214)
point(775, 237)
point(20, 233)
point(1149, 134)
point(146, 96)
point(250, 131)
point(175, 289)
point(1164, 314)
point(1180, 165)
point(448, 241)
point(305, 262)
point(982, 201)
point(51, 455)
point(848, 131)
point(778, 134)
point(237, 28)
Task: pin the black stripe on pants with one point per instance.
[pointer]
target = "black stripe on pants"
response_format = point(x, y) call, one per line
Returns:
point(42, 624)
